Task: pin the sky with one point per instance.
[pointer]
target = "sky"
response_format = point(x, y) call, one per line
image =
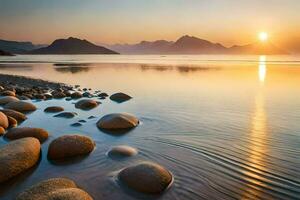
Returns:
point(129, 21)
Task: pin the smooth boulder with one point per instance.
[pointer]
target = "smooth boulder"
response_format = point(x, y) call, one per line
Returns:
point(70, 146)
point(120, 97)
point(21, 106)
point(8, 99)
point(8, 93)
point(118, 121)
point(122, 151)
point(18, 156)
point(17, 133)
point(147, 177)
point(2, 131)
point(12, 122)
point(67, 115)
point(54, 109)
point(54, 189)
point(20, 117)
point(3, 120)
point(86, 104)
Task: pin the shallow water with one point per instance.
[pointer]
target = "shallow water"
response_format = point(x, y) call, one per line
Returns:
point(226, 127)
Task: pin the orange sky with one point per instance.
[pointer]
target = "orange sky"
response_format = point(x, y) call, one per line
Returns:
point(128, 21)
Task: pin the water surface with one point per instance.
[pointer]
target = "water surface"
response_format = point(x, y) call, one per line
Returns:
point(226, 127)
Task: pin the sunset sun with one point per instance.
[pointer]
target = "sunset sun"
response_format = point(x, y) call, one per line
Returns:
point(263, 36)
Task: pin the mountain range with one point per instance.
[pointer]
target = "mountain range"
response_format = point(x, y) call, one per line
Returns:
point(184, 45)
point(193, 45)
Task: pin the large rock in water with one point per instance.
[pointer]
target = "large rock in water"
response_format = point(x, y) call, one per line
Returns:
point(120, 97)
point(3, 120)
point(118, 121)
point(21, 106)
point(54, 189)
point(86, 104)
point(20, 117)
point(70, 146)
point(18, 156)
point(67, 115)
point(146, 177)
point(8, 99)
point(17, 133)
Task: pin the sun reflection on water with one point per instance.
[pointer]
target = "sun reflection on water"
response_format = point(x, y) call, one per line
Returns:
point(257, 137)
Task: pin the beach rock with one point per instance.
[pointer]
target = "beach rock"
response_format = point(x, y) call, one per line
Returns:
point(54, 109)
point(82, 121)
point(146, 177)
point(103, 94)
point(7, 93)
point(54, 189)
point(20, 117)
point(18, 156)
point(39, 96)
point(120, 97)
point(70, 146)
point(87, 94)
point(3, 120)
point(48, 96)
point(76, 95)
point(12, 122)
point(122, 151)
point(38, 133)
point(92, 117)
point(77, 124)
point(67, 93)
point(58, 94)
point(8, 99)
point(118, 121)
point(67, 115)
point(21, 106)
point(86, 104)
point(2, 131)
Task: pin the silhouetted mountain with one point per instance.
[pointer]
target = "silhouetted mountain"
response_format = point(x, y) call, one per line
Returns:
point(4, 53)
point(72, 46)
point(265, 48)
point(17, 47)
point(193, 45)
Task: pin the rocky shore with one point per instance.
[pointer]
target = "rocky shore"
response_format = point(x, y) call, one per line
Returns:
point(23, 148)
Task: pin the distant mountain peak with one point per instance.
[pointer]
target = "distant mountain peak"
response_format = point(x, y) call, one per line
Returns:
point(72, 45)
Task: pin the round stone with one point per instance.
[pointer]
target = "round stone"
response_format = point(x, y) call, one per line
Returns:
point(122, 151)
point(146, 177)
point(120, 97)
point(118, 121)
point(18, 156)
point(21, 106)
point(8, 99)
point(3, 120)
point(70, 146)
point(20, 117)
point(54, 189)
point(54, 109)
point(86, 104)
point(38, 133)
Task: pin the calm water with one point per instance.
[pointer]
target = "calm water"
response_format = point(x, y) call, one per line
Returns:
point(226, 127)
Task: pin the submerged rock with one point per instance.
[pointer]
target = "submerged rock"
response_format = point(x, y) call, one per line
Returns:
point(54, 109)
point(118, 121)
point(146, 177)
point(70, 146)
point(86, 104)
point(67, 115)
point(54, 189)
point(122, 151)
point(3, 120)
point(77, 124)
point(21, 106)
point(18, 156)
point(120, 97)
point(8, 99)
point(38, 133)
point(20, 117)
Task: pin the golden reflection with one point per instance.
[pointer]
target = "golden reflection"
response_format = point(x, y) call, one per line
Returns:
point(262, 69)
point(257, 138)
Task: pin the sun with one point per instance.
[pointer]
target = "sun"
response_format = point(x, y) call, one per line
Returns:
point(263, 36)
